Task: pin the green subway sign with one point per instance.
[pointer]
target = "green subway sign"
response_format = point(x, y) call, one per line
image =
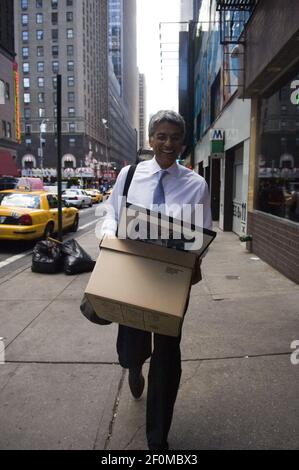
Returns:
point(217, 140)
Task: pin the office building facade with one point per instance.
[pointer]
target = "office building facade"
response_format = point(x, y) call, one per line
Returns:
point(66, 37)
point(9, 117)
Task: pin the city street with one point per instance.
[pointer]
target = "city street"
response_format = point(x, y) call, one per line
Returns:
point(62, 386)
point(16, 254)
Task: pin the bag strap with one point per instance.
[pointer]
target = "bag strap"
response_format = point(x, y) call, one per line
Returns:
point(129, 178)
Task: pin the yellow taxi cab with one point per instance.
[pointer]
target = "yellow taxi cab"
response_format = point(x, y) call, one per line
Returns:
point(95, 195)
point(27, 215)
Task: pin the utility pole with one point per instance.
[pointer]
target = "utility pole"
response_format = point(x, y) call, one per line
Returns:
point(59, 157)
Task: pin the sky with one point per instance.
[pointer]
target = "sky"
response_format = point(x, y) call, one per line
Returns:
point(161, 93)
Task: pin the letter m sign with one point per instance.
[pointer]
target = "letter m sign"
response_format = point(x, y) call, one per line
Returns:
point(217, 140)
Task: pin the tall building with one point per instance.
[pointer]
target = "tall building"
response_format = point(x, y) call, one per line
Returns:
point(123, 82)
point(142, 113)
point(9, 118)
point(67, 37)
point(123, 53)
point(122, 138)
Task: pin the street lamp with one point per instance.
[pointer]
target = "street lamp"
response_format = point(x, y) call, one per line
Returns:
point(105, 122)
point(42, 129)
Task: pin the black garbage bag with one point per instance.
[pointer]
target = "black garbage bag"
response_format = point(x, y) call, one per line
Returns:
point(75, 259)
point(47, 258)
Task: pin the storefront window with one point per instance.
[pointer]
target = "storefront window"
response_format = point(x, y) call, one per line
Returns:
point(278, 153)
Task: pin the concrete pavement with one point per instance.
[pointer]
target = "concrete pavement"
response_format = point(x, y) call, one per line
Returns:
point(61, 386)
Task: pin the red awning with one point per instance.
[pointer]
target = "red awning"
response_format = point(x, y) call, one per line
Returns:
point(8, 166)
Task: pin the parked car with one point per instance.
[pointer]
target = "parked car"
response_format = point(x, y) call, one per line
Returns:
point(95, 195)
point(28, 215)
point(8, 182)
point(76, 198)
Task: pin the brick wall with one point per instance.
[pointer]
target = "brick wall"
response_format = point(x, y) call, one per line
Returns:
point(275, 241)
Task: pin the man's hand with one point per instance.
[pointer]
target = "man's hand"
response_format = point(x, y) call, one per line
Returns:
point(196, 273)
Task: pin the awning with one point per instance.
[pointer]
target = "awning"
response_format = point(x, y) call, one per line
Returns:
point(8, 166)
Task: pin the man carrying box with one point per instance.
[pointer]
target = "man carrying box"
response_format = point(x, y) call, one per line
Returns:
point(158, 184)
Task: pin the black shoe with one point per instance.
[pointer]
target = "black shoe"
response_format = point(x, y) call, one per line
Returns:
point(136, 382)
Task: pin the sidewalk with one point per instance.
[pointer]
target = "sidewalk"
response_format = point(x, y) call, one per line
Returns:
point(61, 386)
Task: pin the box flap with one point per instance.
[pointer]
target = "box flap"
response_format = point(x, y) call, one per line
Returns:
point(147, 250)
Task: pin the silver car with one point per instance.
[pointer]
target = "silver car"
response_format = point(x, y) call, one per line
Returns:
point(76, 198)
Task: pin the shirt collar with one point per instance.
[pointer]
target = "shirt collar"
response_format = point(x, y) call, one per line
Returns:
point(173, 170)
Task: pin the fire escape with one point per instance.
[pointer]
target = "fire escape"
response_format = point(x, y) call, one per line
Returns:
point(234, 15)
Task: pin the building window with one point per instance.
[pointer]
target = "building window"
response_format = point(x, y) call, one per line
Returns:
point(72, 127)
point(41, 97)
point(54, 17)
point(25, 67)
point(70, 50)
point(40, 66)
point(55, 51)
point(39, 3)
point(278, 175)
point(39, 34)
point(24, 19)
point(26, 97)
point(55, 112)
point(69, 16)
point(40, 82)
point(40, 51)
point(70, 81)
point(71, 97)
point(71, 112)
point(69, 3)
point(39, 18)
point(54, 35)
point(25, 52)
point(27, 113)
point(7, 91)
point(70, 65)
point(55, 97)
point(72, 141)
point(28, 129)
point(25, 36)
point(55, 67)
point(4, 128)
point(54, 4)
point(70, 33)
point(8, 130)
point(28, 142)
point(26, 82)
point(41, 112)
point(54, 82)
point(24, 4)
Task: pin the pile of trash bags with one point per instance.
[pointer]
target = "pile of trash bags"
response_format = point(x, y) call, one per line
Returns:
point(51, 256)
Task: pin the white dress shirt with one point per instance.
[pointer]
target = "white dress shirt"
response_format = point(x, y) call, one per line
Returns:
point(181, 186)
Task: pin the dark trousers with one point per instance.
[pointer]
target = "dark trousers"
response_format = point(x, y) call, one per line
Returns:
point(134, 347)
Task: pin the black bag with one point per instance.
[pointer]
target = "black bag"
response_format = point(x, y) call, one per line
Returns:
point(76, 260)
point(89, 313)
point(46, 258)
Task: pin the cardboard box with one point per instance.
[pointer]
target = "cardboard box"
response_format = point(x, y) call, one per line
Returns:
point(141, 285)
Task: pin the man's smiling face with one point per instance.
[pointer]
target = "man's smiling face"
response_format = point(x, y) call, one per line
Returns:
point(167, 143)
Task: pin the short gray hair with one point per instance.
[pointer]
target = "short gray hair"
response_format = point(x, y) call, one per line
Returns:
point(166, 116)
